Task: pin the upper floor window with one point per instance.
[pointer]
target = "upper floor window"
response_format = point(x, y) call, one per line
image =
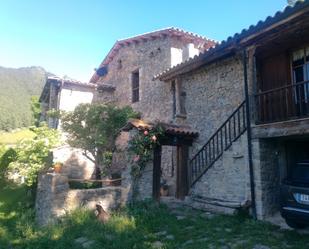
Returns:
point(300, 64)
point(135, 86)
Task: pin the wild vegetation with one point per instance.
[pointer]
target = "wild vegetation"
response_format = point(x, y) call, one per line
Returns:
point(12, 138)
point(142, 225)
point(17, 86)
point(23, 162)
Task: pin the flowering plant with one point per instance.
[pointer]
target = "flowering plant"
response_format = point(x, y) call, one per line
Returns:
point(141, 147)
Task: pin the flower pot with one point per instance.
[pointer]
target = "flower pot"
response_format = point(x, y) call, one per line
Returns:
point(164, 191)
point(57, 167)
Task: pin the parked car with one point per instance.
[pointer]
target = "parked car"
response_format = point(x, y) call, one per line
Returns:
point(294, 196)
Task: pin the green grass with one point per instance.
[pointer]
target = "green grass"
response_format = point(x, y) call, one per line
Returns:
point(14, 137)
point(138, 226)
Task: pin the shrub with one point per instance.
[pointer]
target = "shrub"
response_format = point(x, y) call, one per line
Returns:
point(94, 128)
point(32, 155)
point(8, 156)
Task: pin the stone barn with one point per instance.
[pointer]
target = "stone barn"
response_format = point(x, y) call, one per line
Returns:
point(246, 98)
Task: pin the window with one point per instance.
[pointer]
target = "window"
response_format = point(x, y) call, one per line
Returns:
point(135, 86)
point(119, 64)
point(300, 65)
point(173, 89)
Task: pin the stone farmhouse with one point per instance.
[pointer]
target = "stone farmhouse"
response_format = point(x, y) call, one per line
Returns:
point(63, 94)
point(235, 113)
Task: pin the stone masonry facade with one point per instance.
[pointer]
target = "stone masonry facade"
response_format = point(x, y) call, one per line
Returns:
point(202, 93)
point(148, 57)
point(211, 94)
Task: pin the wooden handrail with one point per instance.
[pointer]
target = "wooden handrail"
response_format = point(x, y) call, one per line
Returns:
point(281, 88)
point(231, 129)
point(91, 180)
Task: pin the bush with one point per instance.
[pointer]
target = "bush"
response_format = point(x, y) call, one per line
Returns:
point(10, 155)
point(94, 128)
point(32, 155)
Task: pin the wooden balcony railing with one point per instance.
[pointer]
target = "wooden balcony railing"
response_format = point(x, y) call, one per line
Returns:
point(284, 103)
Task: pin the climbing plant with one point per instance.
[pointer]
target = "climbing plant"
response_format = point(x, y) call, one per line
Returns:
point(141, 147)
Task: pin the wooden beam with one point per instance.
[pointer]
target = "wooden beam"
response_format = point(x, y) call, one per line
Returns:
point(156, 175)
point(182, 172)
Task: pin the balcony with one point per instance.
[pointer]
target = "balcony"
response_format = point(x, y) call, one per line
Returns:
point(284, 103)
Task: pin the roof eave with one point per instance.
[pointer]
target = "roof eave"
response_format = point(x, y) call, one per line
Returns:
point(195, 64)
point(238, 41)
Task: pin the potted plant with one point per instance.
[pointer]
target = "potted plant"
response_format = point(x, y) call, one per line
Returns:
point(58, 167)
point(163, 188)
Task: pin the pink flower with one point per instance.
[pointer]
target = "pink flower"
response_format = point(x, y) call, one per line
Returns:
point(145, 133)
point(154, 138)
point(136, 158)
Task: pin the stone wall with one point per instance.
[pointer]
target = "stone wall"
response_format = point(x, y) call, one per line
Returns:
point(54, 198)
point(150, 58)
point(212, 94)
point(269, 164)
point(228, 179)
point(75, 164)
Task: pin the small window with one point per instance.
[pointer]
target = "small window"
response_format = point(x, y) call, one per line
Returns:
point(119, 64)
point(173, 89)
point(300, 66)
point(135, 86)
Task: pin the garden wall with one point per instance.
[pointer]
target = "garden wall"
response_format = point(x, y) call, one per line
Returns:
point(54, 198)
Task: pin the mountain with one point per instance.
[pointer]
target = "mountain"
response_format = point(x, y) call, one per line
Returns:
point(17, 86)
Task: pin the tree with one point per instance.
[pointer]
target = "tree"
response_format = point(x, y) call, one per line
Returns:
point(93, 128)
point(35, 109)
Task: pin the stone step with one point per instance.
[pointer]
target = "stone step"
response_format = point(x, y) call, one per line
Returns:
point(195, 203)
point(209, 206)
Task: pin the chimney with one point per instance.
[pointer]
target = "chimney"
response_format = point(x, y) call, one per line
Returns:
point(293, 2)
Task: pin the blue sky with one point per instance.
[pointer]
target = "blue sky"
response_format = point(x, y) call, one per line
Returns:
point(71, 37)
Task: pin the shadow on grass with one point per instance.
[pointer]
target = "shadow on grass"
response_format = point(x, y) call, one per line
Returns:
point(144, 224)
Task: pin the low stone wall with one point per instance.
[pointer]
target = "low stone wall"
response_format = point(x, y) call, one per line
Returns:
point(54, 198)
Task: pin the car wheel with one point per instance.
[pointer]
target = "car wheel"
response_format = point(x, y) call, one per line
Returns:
point(295, 224)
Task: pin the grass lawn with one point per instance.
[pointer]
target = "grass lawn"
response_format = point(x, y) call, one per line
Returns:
point(144, 225)
point(15, 136)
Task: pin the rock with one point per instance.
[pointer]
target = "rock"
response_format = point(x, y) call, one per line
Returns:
point(260, 247)
point(157, 244)
point(225, 247)
point(203, 239)
point(81, 240)
point(170, 237)
point(84, 242)
point(109, 236)
point(207, 215)
point(188, 242)
point(180, 217)
point(161, 233)
point(88, 244)
point(189, 227)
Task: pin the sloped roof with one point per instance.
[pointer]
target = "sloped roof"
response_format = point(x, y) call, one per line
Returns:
point(234, 41)
point(67, 80)
point(62, 82)
point(171, 129)
point(171, 31)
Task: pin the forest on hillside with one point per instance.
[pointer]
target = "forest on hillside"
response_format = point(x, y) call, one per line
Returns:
point(17, 86)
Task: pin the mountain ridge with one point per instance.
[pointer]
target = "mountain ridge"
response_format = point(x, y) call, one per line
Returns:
point(17, 86)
